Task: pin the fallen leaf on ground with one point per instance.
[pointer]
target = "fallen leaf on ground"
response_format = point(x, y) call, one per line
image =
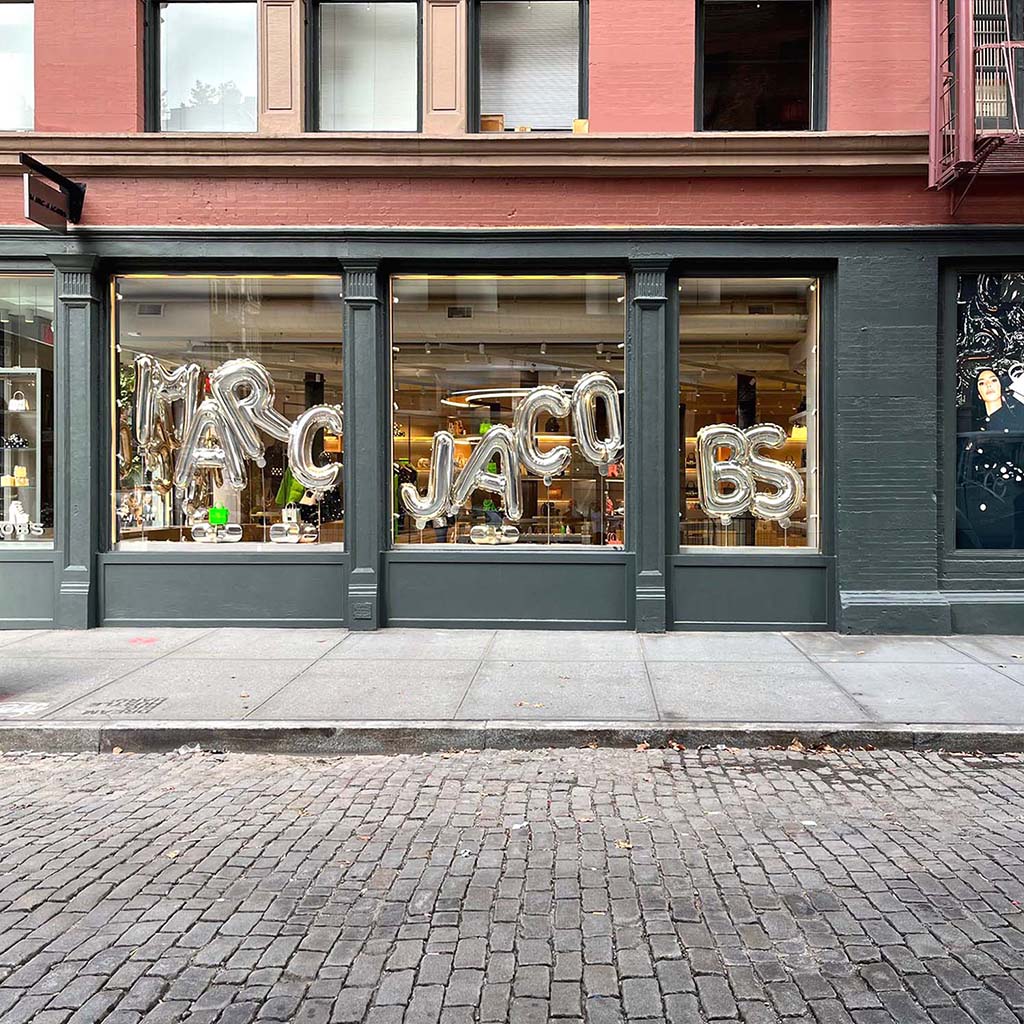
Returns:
point(244, 696)
point(623, 844)
point(641, 747)
point(527, 704)
point(676, 746)
point(172, 854)
point(117, 750)
point(797, 745)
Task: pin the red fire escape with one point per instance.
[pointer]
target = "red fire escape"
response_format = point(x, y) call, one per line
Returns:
point(977, 93)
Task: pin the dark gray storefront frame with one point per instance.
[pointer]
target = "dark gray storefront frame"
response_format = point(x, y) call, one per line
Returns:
point(885, 563)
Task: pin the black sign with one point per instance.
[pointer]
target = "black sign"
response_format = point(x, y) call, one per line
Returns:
point(52, 208)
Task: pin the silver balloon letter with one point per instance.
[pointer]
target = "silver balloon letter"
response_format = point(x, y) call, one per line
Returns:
point(543, 464)
point(475, 475)
point(712, 473)
point(602, 452)
point(300, 447)
point(155, 389)
point(439, 486)
point(210, 443)
point(789, 485)
point(252, 409)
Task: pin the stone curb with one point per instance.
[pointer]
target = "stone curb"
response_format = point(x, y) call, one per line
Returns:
point(414, 737)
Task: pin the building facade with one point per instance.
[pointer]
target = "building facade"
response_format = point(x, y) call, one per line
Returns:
point(674, 314)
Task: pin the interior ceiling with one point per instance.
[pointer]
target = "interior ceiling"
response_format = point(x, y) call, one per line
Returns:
point(728, 327)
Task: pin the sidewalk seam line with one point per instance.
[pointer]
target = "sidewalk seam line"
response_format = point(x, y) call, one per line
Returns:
point(983, 664)
point(476, 672)
point(252, 711)
point(872, 716)
point(95, 690)
point(650, 682)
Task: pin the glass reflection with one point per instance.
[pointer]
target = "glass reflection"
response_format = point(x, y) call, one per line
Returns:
point(208, 67)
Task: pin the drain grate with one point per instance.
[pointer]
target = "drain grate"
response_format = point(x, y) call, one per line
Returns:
point(124, 706)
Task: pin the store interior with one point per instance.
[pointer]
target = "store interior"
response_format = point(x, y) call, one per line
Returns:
point(748, 354)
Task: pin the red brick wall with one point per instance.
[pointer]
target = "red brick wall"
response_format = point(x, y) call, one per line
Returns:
point(490, 202)
point(641, 65)
point(879, 65)
point(88, 66)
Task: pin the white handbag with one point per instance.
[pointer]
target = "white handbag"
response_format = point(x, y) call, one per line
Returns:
point(18, 402)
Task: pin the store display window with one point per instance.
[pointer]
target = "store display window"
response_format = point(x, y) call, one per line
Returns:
point(990, 412)
point(509, 416)
point(748, 413)
point(26, 411)
point(208, 66)
point(227, 399)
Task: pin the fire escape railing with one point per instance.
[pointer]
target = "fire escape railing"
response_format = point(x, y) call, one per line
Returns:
point(974, 97)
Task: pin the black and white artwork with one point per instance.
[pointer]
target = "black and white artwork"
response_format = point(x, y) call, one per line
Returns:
point(990, 412)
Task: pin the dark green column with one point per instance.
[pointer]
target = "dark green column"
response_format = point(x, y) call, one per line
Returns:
point(77, 448)
point(367, 452)
point(647, 463)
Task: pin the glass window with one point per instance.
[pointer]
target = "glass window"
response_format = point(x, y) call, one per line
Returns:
point(26, 411)
point(529, 64)
point(208, 66)
point(369, 67)
point(508, 408)
point(990, 412)
point(748, 413)
point(758, 63)
point(227, 399)
point(17, 64)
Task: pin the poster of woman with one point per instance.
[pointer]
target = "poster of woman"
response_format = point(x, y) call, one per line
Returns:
point(990, 413)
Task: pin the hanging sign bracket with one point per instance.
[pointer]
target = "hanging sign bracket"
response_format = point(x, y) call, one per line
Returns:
point(52, 208)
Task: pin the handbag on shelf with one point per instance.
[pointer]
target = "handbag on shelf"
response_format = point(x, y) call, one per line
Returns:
point(18, 402)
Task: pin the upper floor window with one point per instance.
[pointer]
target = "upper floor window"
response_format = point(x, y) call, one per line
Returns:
point(368, 66)
point(531, 64)
point(760, 65)
point(17, 87)
point(207, 59)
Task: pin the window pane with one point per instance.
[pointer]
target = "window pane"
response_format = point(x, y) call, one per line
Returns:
point(17, 88)
point(748, 356)
point(529, 63)
point(468, 352)
point(175, 337)
point(990, 412)
point(369, 67)
point(208, 67)
point(26, 411)
point(757, 65)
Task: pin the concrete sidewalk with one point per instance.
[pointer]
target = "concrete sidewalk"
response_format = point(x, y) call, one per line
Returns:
point(407, 690)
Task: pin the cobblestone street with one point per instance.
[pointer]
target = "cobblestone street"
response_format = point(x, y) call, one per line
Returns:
point(593, 885)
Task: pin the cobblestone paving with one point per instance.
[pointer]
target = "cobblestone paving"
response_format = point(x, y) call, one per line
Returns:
point(587, 885)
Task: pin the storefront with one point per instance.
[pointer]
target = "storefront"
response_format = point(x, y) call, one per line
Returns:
point(605, 430)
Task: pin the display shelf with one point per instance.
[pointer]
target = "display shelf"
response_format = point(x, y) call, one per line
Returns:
point(27, 423)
